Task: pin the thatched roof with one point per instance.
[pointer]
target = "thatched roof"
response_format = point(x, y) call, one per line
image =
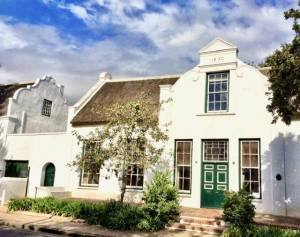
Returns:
point(7, 91)
point(119, 92)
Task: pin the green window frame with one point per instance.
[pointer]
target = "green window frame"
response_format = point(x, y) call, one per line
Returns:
point(250, 166)
point(183, 165)
point(217, 92)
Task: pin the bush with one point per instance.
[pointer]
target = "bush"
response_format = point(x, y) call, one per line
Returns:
point(260, 231)
point(161, 202)
point(161, 207)
point(238, 209)
point(24, 204)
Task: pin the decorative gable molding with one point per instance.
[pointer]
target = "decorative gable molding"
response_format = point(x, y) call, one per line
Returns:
point(46, 78)
point(218, 55)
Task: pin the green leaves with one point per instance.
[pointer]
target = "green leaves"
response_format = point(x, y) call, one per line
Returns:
point(238, 209)
point(284, 76)
point(133, 135)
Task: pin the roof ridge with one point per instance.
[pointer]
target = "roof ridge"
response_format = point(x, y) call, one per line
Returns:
point(168, 76)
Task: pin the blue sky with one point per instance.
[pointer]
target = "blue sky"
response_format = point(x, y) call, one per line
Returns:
point(75, 40)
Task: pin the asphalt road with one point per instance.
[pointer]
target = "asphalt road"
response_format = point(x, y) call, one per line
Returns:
point(12, 232)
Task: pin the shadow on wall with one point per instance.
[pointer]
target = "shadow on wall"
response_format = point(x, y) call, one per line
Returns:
point(280, 175)
point(3, 151)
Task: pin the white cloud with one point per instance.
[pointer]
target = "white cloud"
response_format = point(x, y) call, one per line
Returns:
point(175, 35)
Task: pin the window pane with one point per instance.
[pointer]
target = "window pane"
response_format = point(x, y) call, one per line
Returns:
point(254, 161)
point(217, 106)
point(187, 159)
point(211, 97)
point(254, 187)
point(246, 148)
point(180, 147)
point(211, 106)
point(211, 87)
point(187, 147)
point(218, 97)
point(186, 184)
point(218, 87)
point(247, 187)
point(246, 161)
point(187, 172)
point(180, 159)
point(254, 147)
point(140, 181)
point(246, 173)
point(254, 174)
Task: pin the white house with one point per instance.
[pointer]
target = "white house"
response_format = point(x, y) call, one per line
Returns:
point(28, 109)
point(221, 137)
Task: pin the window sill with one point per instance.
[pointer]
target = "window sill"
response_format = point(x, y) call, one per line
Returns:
point(134, 189)
point(216, 114)
point(185, 194)
point(89, 187)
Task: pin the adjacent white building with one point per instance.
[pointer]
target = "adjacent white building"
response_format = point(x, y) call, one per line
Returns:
point(221, 138)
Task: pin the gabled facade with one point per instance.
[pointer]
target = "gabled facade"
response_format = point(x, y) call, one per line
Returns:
point(28, 109)
point(220, 138)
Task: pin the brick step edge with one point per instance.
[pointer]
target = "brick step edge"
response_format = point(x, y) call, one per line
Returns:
point(208, 229)
point(201, 221)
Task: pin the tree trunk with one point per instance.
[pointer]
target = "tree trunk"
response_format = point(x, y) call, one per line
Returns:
point(123, 187)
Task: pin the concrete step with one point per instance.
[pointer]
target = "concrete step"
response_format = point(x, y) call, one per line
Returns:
point(212, 221)
point(201, 228)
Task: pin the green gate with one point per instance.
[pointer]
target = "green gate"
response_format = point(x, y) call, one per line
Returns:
point(49, 175)
point(214, 183)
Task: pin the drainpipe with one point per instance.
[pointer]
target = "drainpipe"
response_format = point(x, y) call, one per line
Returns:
point(27, 182)
point(23, 120)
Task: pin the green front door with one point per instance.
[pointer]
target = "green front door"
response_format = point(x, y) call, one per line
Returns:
point(49, 175)
point(214, 183)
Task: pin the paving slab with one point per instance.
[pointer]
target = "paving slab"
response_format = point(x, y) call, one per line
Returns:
point(65, 226)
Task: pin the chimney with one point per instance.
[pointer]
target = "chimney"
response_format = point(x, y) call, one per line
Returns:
point(105, 76)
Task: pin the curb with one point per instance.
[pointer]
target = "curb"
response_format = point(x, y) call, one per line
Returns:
point(50, 230)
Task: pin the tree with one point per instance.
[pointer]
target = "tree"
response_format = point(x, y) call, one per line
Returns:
point(284, 75)
point(131, 136)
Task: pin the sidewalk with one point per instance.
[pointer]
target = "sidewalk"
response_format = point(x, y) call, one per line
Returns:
point(66, 226)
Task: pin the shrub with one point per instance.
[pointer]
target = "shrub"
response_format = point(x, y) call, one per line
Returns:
point(238, 209)
point(161, 207)
point(161, 202)
point(260, 231)
point(24, 204)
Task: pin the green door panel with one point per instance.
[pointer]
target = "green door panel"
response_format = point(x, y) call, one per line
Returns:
point(49, 175)
point(214, 183)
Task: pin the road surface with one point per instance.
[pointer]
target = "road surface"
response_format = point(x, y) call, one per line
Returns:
point(12, 232)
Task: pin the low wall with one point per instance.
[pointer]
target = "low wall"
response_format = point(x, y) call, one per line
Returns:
point(12, 188)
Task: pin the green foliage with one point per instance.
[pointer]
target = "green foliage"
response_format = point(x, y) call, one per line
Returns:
point(284, 76)
point(112, 214)
point(132, 135)
point(161, 202)
point(24, 204)
point(260, 231)
point(238, 209)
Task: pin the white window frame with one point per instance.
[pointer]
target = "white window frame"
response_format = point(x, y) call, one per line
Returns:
point(83, 172)
point(221, 79)
point(216, 161)
point(46, 108)
point(183, 165)
point(138, 174)
point(254, 194)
